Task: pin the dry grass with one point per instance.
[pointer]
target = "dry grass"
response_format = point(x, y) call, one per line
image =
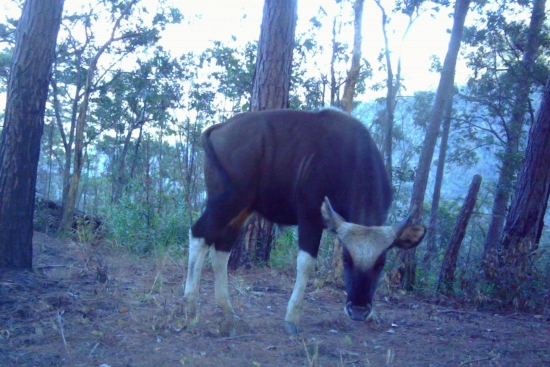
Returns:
point(98, 305)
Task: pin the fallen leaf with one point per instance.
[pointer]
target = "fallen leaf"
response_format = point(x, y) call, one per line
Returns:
point(97, 333)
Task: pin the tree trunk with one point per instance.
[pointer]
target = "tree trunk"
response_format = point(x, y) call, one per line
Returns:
point(393, 85)
point(353, 73)
point(121, 177)
point(136, 150)
point(270, 90)
point(69, 203)
point(447, 274)
point(271, 85)
point(67, 140)
point(78, 161)
point(512, 262)
point(120, 180)
point(334, 90)
point(446, 83)
point(81, 199)
point(337, 259)
point(388, 118)
point(30, 75)
point(432, 227)
point(50, 162)
point(511, 158)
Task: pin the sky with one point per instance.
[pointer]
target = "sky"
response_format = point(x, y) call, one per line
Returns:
point(209, 20)
point(221, 19)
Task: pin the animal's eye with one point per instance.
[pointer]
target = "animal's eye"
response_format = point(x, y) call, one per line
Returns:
point(347, 261)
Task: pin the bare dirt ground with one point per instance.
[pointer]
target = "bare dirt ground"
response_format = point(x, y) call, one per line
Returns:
point(92, 306)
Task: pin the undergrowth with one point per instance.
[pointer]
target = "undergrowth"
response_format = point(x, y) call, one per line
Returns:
point(141, 229)
point(138, 228)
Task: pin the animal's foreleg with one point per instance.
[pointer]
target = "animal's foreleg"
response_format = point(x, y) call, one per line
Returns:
point(306, 264)
point(219, 263)
point(197, 252)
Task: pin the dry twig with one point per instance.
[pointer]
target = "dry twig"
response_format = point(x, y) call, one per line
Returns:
point(476, 360)
point(59, 321)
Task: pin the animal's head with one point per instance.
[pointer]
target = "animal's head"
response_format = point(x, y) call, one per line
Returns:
point(365, 251)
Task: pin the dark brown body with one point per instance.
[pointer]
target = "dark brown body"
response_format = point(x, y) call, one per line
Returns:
point(284, 164)
point(281, 164)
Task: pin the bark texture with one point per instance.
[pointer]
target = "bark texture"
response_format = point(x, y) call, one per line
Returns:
point(512, 262)
point(446, 83)
point(353, 73)
point(270, 90)
point(448, 267)
point(28, 83)
point(510, 163)
point(271, 85)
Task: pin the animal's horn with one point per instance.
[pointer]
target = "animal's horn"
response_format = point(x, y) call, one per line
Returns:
point(400, 227)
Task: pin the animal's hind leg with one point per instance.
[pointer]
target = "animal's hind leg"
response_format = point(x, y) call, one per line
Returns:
point(219, 263)
point(219, 223)
point(220, 256)
point(197, 252)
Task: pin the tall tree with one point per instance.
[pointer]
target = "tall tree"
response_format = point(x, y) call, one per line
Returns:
point(525, 221)
point(128, 32)
point(28, 84)
point(523, 79)
point(337, 260)
point(432, 227)
point(446, 83)
point(393, 80)
point(134, 99)
point(69, 204)
point(355, 68)
point(270, 90)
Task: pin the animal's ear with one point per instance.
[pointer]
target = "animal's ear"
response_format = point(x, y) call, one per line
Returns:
point(332, 220)
point(410, 237)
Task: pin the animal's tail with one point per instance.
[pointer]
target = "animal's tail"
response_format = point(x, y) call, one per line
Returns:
point(213, 159)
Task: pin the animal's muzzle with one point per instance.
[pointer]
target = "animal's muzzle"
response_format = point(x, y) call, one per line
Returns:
point(358, 313)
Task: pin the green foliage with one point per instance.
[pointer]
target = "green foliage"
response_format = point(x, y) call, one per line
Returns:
point(7, 41)
point(5, 62)
point(138, 227)
point(495, 47)
point(421, 108)
point(285, 251)
point(154, 108)
point(469, 257)
point(234, 72)
point(528, 295)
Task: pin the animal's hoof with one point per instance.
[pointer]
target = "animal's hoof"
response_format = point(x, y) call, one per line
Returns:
point(227, 325)
point(291, 328)
point(191, 313)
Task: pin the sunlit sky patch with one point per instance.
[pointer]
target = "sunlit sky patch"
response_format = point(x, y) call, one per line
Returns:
point(221, 20)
